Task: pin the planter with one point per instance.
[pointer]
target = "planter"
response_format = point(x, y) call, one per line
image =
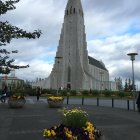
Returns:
point(55, 104)
point(16, 103)
point(97, 136)
point(74, 126)
point(101, 138)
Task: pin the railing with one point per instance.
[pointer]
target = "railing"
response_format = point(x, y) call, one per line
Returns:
point(106, 102)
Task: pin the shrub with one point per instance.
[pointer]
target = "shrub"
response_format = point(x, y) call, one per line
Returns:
point(18, 91)
point(73, 92)
point(74, 117)
point(95, 92)
point(121, 94)
point(85, 92)
point(63, 92)
point(106, 92)
point(30, 91)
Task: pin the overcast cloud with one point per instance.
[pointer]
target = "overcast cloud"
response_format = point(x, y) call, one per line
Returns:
point(112, 30)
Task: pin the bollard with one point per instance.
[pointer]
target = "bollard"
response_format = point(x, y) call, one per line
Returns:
point(97, 101)
point(67, 100)
point(112, 102)
point(128, 104)
point(82, 100)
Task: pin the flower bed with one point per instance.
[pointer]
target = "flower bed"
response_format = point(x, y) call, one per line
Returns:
point(55, 101)
point(16, 101)
point(55, 98)
point(74, 126)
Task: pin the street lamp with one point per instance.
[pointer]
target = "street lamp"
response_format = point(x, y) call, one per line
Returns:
point(101, 73)
point(132, 58)
point(58, 58)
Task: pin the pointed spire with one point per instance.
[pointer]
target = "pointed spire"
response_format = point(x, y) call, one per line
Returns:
point(74, 6)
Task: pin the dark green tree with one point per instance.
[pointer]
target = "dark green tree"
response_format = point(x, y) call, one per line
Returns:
point(9, 32)
point(129, 85)
point(126, 85)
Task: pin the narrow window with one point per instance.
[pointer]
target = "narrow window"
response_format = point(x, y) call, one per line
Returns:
point(71, 10)
point(69, 74)
point(74, 11)
point(67, 12)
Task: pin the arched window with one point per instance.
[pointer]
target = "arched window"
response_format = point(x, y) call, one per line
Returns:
point(67, 12)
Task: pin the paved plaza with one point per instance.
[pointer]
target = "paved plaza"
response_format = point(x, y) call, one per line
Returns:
point(28, 122)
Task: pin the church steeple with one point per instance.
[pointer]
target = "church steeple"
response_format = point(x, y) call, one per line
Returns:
point(74, 7)
point(73, 70)
point(72, 48)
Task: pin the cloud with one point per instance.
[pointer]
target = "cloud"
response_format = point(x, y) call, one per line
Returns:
point(37, 69)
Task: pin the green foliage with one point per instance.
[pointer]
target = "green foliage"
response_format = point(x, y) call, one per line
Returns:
point(85, 92)
point(53, 92)
point(73, 92)
point(44, 91)
point(18, 92)
point(7, 5)
point(30, 91)
point(95, 92)
point(9, 32)
point(63, 92)
point(121, 94)
point(74, 117)
point(106, 92)
point(49, 91)
point(25, 91)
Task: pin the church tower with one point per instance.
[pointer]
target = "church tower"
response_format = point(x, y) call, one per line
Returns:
point(71, 61)
point(72, 67)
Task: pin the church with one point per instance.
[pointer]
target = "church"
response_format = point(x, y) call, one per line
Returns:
point(73, 68)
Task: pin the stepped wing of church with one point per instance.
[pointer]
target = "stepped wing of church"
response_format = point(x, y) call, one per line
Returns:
point(73, 68)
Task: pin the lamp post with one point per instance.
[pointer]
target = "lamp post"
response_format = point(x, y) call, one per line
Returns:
point(132, 58)
point(58, 61)
point(101, 73)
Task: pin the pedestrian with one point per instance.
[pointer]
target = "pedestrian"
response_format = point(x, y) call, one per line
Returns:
point(4, 93)
point(38, 92)
point(138, 102)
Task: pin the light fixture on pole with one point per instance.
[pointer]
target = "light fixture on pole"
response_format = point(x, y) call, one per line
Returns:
point(58, 61)
point(101, 84)
point(132, 58)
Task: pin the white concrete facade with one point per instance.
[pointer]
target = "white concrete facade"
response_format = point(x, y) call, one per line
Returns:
point(11, 82)
point(73, 67)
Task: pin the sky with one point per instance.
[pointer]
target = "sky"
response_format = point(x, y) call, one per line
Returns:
point(112, 31)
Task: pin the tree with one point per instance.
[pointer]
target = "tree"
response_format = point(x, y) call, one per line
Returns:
point(9, 32)
point(119, 83)
point(126, 85)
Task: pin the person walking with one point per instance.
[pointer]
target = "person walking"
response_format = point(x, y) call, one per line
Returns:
point(38, 92)
point(138, 102)
point(4, 93)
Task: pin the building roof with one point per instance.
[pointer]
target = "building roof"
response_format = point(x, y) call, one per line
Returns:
point(96, 63)
point(10, 78)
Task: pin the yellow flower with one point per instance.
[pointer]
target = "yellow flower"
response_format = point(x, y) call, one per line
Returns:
point(53, 133)
point(55, 98)
point(45, 132)
point(48, 133)
point(68, 134)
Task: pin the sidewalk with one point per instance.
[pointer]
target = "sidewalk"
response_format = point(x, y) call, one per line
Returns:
point(27, 123)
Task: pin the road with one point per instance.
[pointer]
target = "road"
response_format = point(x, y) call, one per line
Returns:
point(28, 122)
